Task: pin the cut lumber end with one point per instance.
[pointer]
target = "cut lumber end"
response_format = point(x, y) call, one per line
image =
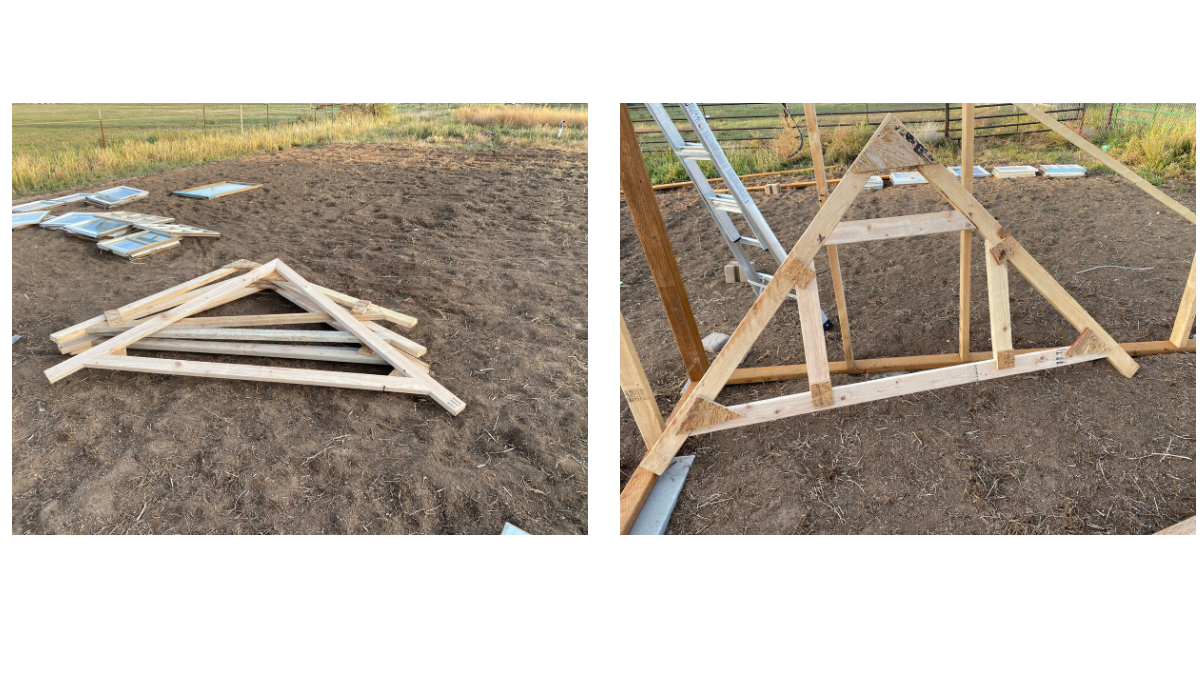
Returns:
point(1087, 343)
point(805, 275)
point(705, 414)
point(734, 274)
point(113, 316)
point(1186, 527)
point(1001, 251)
point(360, 307)
point(773, 188)
point(892, 146)
point(822, 394)
point(1007, 358)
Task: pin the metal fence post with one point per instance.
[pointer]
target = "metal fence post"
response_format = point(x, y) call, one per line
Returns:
point(946, 133)
point(1112, 108)
point(103, 143)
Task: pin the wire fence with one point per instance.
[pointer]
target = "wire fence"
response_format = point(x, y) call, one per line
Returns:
point(1176, 114)
point(747, 125)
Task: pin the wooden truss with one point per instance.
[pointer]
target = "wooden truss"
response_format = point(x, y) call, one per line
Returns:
point(160, 323)
point(892, 147)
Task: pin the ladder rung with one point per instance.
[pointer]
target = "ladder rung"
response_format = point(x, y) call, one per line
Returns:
point(756, 242)
point(693, 151)
point(725, 203)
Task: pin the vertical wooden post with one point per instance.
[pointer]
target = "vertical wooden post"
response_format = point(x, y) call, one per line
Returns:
point(964, 242)
point(946, 131)
point(1187, 310)
point(103, 143)
point(1112, 108)
point(835, 271)
point(638, 392)
point(647, 219)
point(997, 278)
point(1082, 114)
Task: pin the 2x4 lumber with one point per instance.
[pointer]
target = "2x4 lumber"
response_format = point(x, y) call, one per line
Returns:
point(895, 227)
point(835, 271)
point(799, 184)
point(75, 363)
point(799, 371)
point(998, 312)
point(1025, 265)
point(1186, 527)
point(899, 385)
point(227, 371)
point(808, 300)
point(334, 354)
point(436, 391)
point(247, 320)
point(1107, 160)
point(1186, 317)
point(634, 494)
point(402, 320)
point(244, 334)
point(964, 238)
point(790, 275)
point(395, 339)
point(648, 221)
point(638, 392)
point(124, 311)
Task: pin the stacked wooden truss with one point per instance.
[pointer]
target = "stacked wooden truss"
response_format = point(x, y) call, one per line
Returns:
point(160, 323)
point(891, 147)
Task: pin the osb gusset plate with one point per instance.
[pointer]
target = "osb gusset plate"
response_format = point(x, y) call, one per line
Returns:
point(892, 146)
point(706, 413)
point(1087, 343)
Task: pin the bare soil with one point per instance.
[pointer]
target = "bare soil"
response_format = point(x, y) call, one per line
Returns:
point(1073, 450)
point(487, 249)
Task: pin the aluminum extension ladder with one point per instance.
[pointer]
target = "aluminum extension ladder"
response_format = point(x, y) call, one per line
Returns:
point(720, 206)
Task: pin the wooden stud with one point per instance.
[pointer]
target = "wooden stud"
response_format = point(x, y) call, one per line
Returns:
point(1025, 265)
point(75, 363)
point(248, 320)
point(895, 227)
point(335, 354)
point(999, 252)
point(396, 340)
point(799, 371)
point(889, 387)
point(964, 238)
point(1186, 318)
point(822, 394)
point(791, 274)
point(892, 146)
point(638, 392)
point(227, 371)
point(1086, 343)
point(998, 311)
point(648, 221)
point(812, 329)
point(706, 413)
point(772, 188)
point(835, 271)
point(437, 392)
point(633, 496)
point(1185, 527)
point(1107, 160)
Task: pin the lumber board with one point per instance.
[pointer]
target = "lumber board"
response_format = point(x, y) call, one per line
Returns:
point(652, 233)
point(334, 354)
point(402, 320)
point(686, 183)
point(242, 334)
point(75, 334)
point(895, 227)
point(835, 272)
point(227, 371)
point(633, 496)
point(707, 413)
point(1184, 527)
point(814, 148)
point(998, 312)
point(789, 275)
point(892, 146)
point(75, 363)
point(395, 339)
point(899, 385)
point(964, 237)
point(1107, 160)
point(812, 330)
point(248, 320)
point(437, 392)
point(799, 184)
point(926, 362)
point(1026, 265)
point(638, 391)
point(1186, 318)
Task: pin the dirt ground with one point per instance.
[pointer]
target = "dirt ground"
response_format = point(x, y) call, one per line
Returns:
point(487, 249)
point(1072, 450)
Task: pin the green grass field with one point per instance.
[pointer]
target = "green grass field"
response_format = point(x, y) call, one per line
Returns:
point(59, 146)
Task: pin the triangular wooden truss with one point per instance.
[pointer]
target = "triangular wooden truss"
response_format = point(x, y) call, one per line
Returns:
point(892, 147)
point(160, 323)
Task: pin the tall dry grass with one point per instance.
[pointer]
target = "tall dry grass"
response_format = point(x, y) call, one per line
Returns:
point(521, 116)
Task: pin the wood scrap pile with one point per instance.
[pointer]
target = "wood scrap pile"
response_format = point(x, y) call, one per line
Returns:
point(164, 322)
